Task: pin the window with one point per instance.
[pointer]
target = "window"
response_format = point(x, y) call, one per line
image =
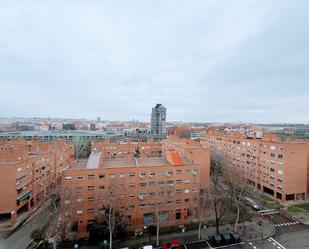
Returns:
point(90, 187)
point(101, 187)
point(280, 164)
point(143, 184)
point(122, 175)
point(66, 202)
point(280, 156)
point(178, 181)
point(151, 174)
point(194, 171)
point(178, 171)
point(195, 190)
point(152, 193)
point(80, 178)
point(131, 185)
point(280, 172)
point(101, 176)
point(280, 180)
point(68, 178)
point(272, 147)
point(132, 174)
point(186, 181)
point(280, 187)
point(142, 174)
point(90, 198)
point(142, 205)
point(79, 211)
point(90, 176)
point(272, 154)
point(131, 206)
point(178, 191)
point(187, 171)
point(187, 191)
point(132, 195)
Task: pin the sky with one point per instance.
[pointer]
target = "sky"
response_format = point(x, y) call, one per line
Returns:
point(206, 61)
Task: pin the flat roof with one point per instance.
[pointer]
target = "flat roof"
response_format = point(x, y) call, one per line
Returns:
point(139, 162)
point(94, 160)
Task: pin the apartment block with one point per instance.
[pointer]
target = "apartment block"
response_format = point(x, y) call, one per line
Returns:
point(27, 170)
point(144, 180)
point(273, 165)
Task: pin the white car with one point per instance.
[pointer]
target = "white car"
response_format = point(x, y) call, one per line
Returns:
point(147, 247)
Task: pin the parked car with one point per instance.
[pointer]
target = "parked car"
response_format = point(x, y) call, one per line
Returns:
point(174, 244)
point(147, 247)
point(226, 238)
point(217, 240)
point(235, 237)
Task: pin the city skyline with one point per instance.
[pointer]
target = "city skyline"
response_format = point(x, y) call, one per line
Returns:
point(206, 62)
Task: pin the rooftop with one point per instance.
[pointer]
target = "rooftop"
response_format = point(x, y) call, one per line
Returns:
point(138, 162)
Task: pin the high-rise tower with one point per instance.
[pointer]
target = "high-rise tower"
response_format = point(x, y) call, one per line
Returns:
point(158, 120)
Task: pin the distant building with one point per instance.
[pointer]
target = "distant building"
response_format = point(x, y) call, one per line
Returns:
point(98, 120)
point(158, 120)
point(92, 127)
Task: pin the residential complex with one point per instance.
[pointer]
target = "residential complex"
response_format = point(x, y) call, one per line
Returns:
point(158, 120)
point(273, 165)
point(27, 171)
point(145, 180)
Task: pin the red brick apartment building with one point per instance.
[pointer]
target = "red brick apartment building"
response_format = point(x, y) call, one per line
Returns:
point(274, 166)
point(27, 169)
point(150, 175)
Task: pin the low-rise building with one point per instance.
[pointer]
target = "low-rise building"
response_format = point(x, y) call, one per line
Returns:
point(272, 164)
point(147, 179)
point(27, 171)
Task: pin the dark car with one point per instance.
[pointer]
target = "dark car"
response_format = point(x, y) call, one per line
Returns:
point(216, 239)
point(226, 238)
point(235, 237)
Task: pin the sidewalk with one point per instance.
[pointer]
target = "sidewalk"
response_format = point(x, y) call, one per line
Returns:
point(7, 228)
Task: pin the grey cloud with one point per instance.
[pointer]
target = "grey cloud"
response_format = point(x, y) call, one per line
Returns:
point(205, 60)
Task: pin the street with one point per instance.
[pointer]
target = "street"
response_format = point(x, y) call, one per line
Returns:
point(20, 239)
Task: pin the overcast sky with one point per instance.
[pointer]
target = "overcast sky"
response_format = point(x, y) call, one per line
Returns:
point(218, 60)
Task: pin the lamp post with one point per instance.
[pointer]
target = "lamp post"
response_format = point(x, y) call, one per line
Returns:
point(204, 229)
point(145, 229)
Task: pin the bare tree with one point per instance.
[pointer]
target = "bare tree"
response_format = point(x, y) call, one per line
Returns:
point(110, 214)
point(234, 183)
point(112, 219)
point(201, 211)
point(237, 188)
point(216, 193)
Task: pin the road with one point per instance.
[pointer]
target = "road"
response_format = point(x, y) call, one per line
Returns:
point(20, 239)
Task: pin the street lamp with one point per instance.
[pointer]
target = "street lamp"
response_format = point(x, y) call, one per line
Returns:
point(145, 229)
point(204, 229)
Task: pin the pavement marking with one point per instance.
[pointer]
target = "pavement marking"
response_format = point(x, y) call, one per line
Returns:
point(266, 210)
point(286, 224)
point(269, 240)
point(254, 247)
point(250, 243)
point(277, 243)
